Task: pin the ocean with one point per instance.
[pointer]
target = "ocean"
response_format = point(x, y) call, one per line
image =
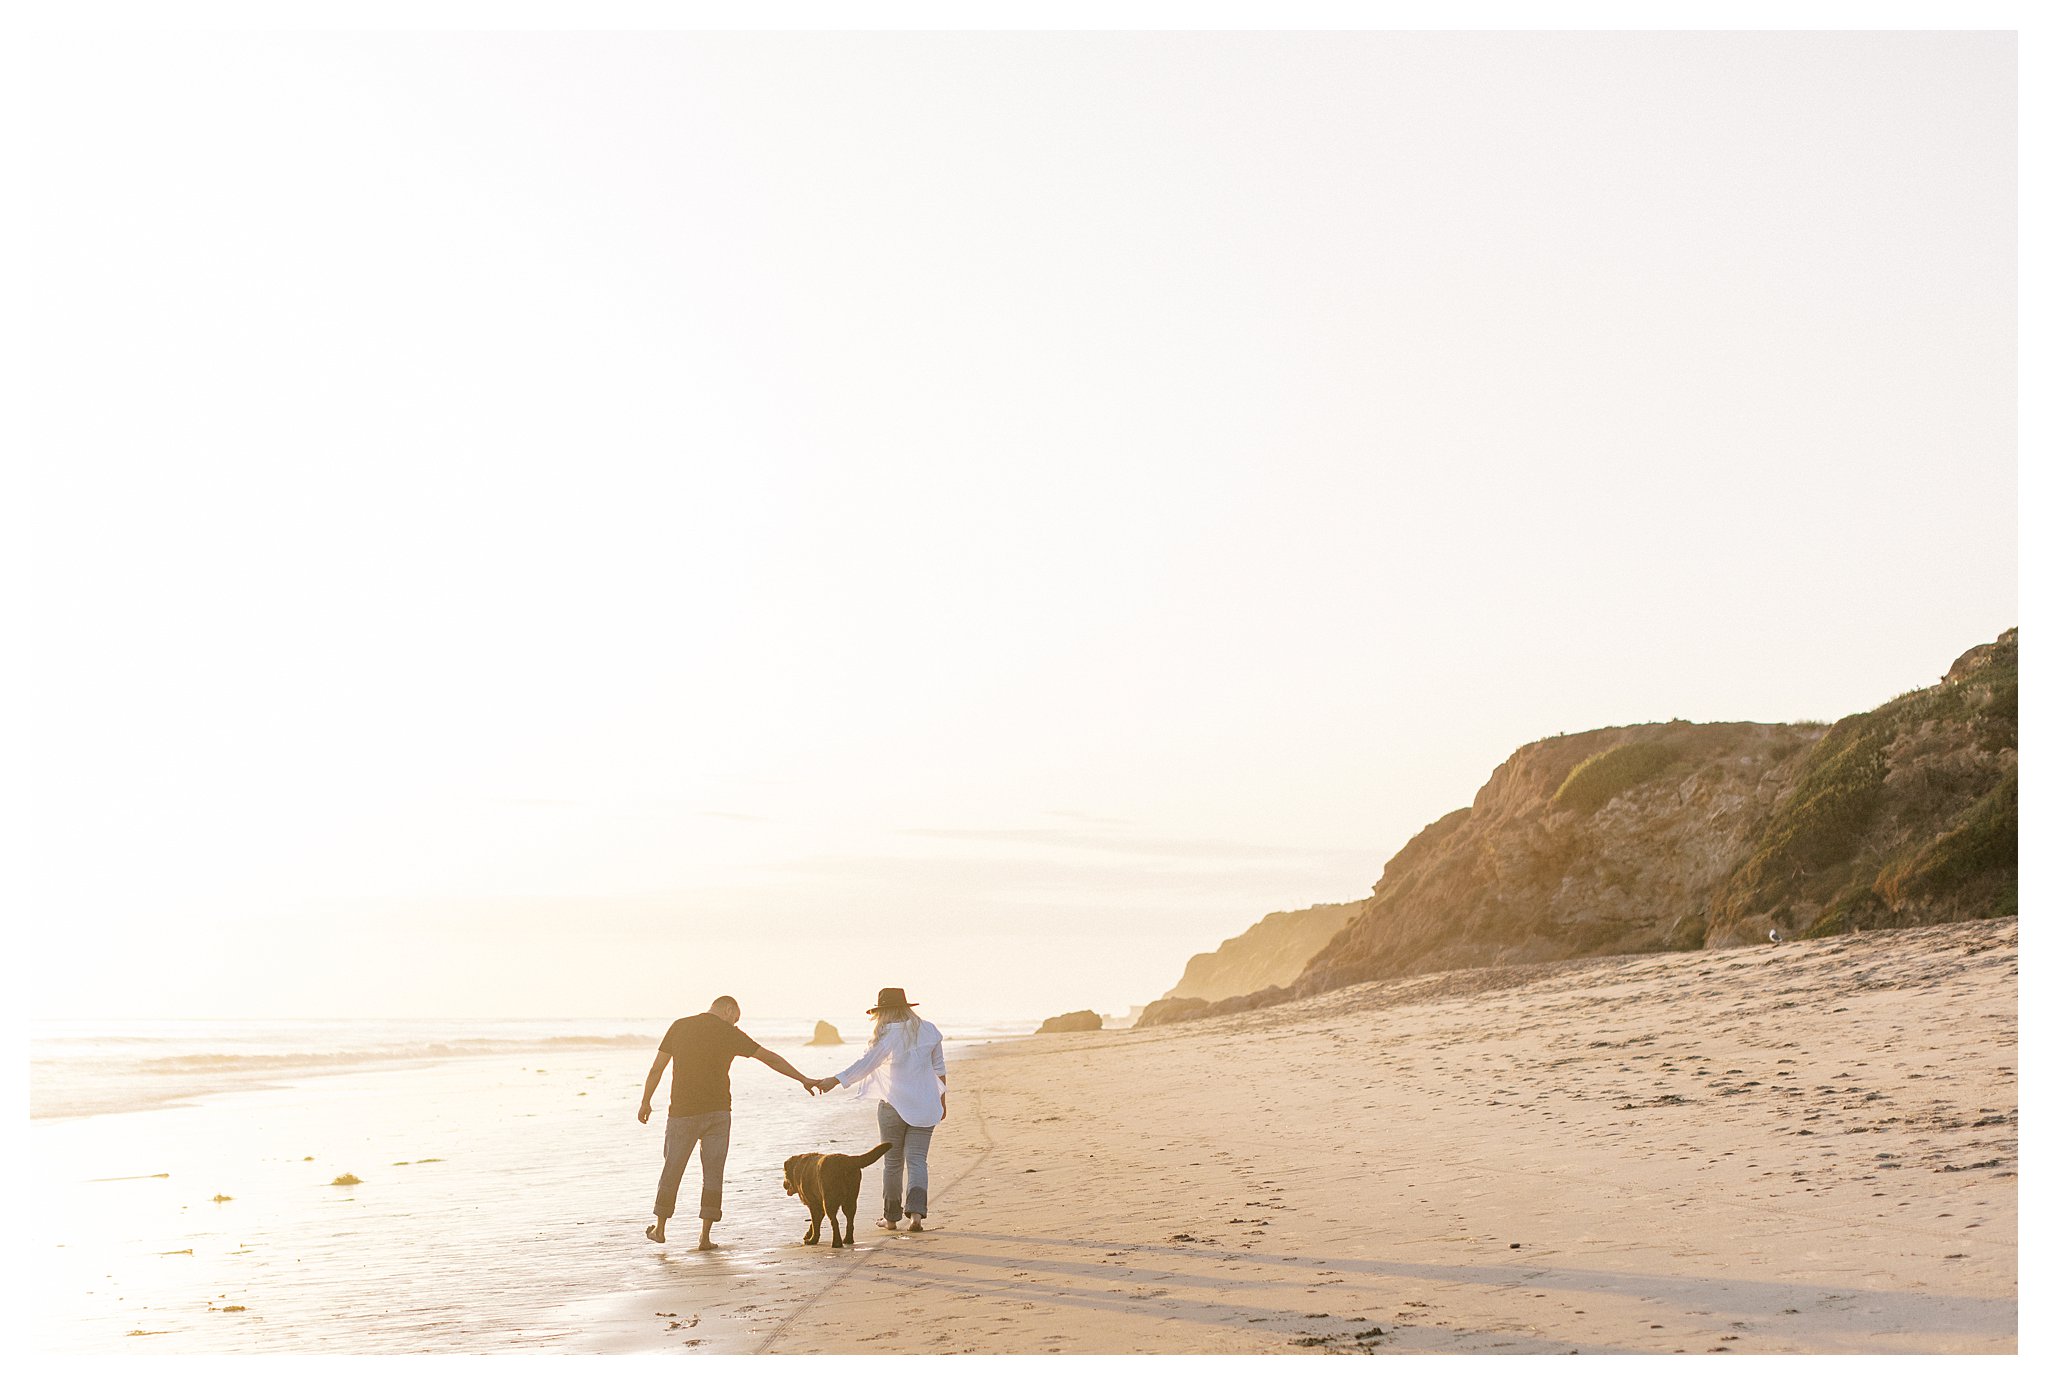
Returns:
point(95, 1067)
point(193, 1181)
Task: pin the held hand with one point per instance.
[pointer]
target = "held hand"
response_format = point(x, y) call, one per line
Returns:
point(826, 1084)
point(646, 1110)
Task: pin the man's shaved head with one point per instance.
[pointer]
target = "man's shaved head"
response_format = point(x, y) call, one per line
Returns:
point(727, 1009)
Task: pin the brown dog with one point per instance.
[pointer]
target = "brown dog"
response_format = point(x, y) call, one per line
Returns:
point(829, 1184)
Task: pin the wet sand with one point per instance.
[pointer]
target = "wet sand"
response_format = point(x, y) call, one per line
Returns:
point(500, 1208)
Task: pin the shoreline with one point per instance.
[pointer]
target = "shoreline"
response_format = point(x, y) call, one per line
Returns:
point(498, 1206)
point(801, 1277)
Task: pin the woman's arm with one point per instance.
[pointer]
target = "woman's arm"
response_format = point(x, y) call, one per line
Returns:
point(866, 1063)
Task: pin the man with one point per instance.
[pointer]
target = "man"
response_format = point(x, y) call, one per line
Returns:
point(700, 1106)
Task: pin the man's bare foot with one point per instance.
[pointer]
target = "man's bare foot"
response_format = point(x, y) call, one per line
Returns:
point(886, 1224)
point(709, 1245)
point(917, 1223)
point(657, 1235)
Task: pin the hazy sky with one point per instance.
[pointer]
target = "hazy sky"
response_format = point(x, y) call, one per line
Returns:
point(565, 524)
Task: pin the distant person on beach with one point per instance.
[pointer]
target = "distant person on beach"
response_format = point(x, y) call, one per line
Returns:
point(700, 1107)
point(905, 1066)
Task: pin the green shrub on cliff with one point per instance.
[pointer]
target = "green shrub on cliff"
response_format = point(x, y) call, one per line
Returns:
point(1810, 844)
point(1600, 777)
point(1985, 843)
point(1855, 907)
point(1822, 823)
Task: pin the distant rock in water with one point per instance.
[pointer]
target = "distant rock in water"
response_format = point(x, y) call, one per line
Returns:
point(1271, 952)
point(824, 1035)
point(1073, 1022)
point(1673, 836)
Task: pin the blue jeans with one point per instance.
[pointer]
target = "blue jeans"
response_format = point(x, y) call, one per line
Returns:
point(907, 1145)
point(713, 1132)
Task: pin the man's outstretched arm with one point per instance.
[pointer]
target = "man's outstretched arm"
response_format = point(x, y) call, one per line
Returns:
point(653, 1080)
point(781, 1064)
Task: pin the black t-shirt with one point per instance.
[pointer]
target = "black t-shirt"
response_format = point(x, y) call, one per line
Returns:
point(703, 1047)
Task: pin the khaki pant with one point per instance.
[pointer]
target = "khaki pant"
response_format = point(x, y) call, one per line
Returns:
point(713, 1131)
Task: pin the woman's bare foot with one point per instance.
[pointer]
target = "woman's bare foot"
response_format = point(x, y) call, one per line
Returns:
point(657, 1235)
point(886, 1224)
point(708, 1244)
point(917, 1223)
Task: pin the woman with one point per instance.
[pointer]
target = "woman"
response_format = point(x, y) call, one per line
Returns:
point(906, 1067)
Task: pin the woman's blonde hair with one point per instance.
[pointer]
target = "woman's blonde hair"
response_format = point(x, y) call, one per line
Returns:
point(891, 1014)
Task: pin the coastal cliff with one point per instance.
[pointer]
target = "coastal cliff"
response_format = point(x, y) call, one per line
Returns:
point(1271, 952)
point(1678, 836)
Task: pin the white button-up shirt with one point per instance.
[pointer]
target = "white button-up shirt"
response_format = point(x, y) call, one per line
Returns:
point(903, 1071)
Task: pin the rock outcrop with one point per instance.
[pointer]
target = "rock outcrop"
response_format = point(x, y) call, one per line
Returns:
point(1658, 837)
point(823, 1036)
point(1073, 1022)
point(1271, 952)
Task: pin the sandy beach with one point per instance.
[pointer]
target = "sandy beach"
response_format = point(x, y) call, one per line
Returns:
point(1809, 1148)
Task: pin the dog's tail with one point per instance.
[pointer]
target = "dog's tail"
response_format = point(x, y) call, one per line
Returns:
point(877, 1152)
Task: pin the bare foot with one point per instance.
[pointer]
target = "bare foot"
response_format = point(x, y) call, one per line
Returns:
point(917, 1223)
point(886, 1225)
point(708, 1244)
point(656, 1235)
